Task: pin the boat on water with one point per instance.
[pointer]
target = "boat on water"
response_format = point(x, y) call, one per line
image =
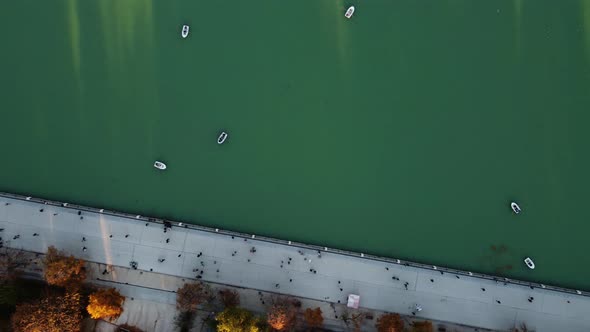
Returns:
point(529, 262)
point(515, 207)
point(185, 31)
point(222, 137)
point(159, 165)
point(349, 12)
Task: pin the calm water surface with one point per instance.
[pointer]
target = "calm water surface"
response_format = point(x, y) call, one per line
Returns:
point(404, 132)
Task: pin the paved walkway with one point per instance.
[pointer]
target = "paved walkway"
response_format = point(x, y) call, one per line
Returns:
point(324, 276)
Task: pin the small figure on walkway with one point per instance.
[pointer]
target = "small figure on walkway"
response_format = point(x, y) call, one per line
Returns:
point(431, 280)
point(483, 289)
point(386, 268)
point(253, 250)
point(290, 280)
point(81, 218)
point(55, 214)
point(35, 234)
point(16, 237)
point(83, 239)
point(79, 212)
point(105, 272)
point(126, 235)
point(161, 260)
point(40, 210)
point(200, 254)
point(277, 286)
point(84, 248)
point(111, 236)
point(498, 302)
point(168, 240)
point(179, 255)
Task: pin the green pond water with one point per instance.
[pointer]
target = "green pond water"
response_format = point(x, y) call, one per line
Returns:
point(404, 132)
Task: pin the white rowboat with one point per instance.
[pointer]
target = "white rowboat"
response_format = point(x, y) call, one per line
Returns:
point(515, 207)
point(529, 262)
point(185, 31)
point(349, 12)
point(222, 137)
point(160, 165)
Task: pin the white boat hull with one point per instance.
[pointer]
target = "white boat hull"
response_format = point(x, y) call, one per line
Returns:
point(529, 263)
point(349, 12)
point(222, 137)
point(515, 207)
point(185, 31)
point(160, 165)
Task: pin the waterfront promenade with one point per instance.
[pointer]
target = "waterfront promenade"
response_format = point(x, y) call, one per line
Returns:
point(292, 270)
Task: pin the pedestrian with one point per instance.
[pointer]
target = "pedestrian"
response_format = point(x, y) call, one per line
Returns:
point(431, 280)
point(83, 248)
point(35, 234)
point(83, 239)
point(277, 286)
point(290, 280)
point(16, 237)
point(168, 240)
point(79, 212)
point(41, 210)
point(498, 302)
point(483, 289)
point(126, 235)
point(161, 260)
point(386, 268)
point(179, 255)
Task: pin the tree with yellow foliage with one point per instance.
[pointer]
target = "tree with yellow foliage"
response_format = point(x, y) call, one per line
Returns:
point(62, 270)
point(234, 319)
point(105, 303)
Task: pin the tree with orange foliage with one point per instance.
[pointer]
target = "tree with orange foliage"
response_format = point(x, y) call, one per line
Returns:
point(282, 315)
point(62, 270)
point(390, 323)
point(190, 296)
point(50, 314)
point(313, 317)
point(105, 303)
point(425, 326)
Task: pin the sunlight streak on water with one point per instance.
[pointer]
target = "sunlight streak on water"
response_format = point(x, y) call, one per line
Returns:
point(74, 20)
